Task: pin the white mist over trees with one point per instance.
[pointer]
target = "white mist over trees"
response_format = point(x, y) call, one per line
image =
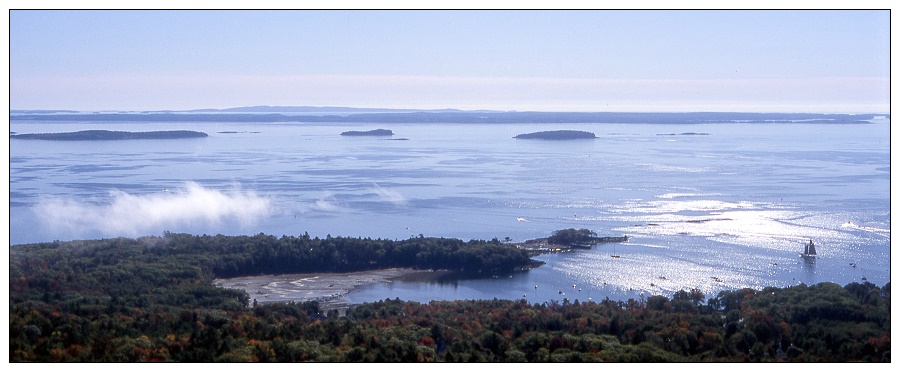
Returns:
point(131, 214)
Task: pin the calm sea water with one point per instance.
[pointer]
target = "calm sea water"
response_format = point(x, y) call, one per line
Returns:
point(732, 201)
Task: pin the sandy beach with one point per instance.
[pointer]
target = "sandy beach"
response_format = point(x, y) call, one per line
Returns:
point(328, 288)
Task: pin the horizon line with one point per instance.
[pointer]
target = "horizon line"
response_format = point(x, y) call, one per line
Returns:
point(273, 109)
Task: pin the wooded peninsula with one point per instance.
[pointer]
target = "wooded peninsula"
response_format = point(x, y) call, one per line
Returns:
point(152, 299)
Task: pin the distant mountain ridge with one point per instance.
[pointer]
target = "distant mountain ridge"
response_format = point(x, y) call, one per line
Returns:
point(250, 110)
point(319, 109)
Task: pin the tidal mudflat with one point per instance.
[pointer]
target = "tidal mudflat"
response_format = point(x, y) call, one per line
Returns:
point(327, 288)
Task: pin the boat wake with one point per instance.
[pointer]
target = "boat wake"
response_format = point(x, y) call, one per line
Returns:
point(882, 232)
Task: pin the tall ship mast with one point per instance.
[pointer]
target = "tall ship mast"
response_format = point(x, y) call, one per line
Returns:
point(809, 250)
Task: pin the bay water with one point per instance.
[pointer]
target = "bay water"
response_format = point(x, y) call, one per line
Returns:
point(706, 206)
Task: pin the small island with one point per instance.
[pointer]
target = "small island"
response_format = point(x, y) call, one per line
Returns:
point(683, 134)
point(567, 239)
point(558, 135)
point(107, 135)
point(374, 132)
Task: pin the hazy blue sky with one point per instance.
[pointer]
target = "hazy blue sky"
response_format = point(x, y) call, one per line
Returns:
point(813, 61)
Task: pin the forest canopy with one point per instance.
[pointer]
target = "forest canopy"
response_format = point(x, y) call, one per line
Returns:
point(152, 299)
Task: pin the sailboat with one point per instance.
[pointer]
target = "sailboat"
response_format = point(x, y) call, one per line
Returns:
point(809, 250)
point(614, 255)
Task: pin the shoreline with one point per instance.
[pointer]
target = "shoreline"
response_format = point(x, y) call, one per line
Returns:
point(329, 289)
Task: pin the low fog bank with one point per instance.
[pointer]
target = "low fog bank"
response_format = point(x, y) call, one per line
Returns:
point(127, 214)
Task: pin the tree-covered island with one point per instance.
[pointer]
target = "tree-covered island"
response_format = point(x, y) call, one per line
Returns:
point(566, 239)
point(152, 299)
point(108, 135)
point(373, 133)
point(558, 135)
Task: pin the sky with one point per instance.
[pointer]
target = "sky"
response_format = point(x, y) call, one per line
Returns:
point(551, 60)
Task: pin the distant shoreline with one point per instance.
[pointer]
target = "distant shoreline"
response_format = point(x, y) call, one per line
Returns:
point(458, 117)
